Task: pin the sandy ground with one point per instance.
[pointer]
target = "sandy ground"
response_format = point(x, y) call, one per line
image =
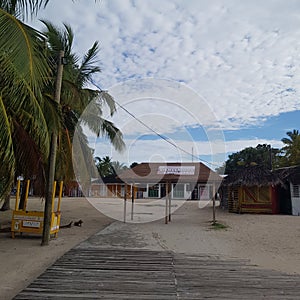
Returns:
point(22, 259)
point(268, 241)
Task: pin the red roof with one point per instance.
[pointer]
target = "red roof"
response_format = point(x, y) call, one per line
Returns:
point(173, 172)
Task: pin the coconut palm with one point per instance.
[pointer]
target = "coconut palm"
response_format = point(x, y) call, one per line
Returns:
point(292, 148)
point(24, 70)
point(79, 104)
point(104, 166)
point(22, 8)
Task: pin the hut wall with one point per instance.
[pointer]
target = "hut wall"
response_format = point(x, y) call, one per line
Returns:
point(295, 199)
point(257, 200)
point(242, 199)
point(275, 199)
point(233, 199)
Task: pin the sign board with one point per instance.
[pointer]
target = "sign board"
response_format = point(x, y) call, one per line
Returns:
point(176, 170)
point(31, 224)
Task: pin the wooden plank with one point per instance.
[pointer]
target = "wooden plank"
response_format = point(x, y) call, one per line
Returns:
point(143, 274)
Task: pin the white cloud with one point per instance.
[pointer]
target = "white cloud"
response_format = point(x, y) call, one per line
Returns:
point(241, 56)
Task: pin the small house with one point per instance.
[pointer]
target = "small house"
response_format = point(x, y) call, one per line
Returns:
point(193, 181)
point(155, 180)
point(252, 189)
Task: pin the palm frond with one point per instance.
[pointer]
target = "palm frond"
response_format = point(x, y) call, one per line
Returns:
point(6, 152)
point(107, 99)
point(88, 67)
point(21, 55)
point(23, 8)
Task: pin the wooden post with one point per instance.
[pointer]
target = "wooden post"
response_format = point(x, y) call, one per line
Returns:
point(132, 202)
point(169, 197)
point(214, 204)
point(166, 208)
point(52, 158)
point(26, 194)
point(53, 196)
point(125, 200)
point(59, 195)
point(18, 195)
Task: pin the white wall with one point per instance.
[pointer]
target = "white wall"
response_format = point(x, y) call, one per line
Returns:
point(295, 197)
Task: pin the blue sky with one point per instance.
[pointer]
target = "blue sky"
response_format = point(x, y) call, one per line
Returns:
point(233, 63)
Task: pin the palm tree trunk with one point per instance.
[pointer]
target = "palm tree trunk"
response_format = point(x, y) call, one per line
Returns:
point(52, 161)
point(6, 204)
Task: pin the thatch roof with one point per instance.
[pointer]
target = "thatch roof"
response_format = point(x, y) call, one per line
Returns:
point(291, 174)
point(253, 176)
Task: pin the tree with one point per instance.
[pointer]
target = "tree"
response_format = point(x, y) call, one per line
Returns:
point(104, 166)
point(291, 148)
point(22, 8)
point(133, 165)
point(27, 109)
point(263, 155)
point(24, 70)
point(79, 103)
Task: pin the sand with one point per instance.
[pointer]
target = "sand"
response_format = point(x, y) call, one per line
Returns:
point(268, 241)
point(22, 259)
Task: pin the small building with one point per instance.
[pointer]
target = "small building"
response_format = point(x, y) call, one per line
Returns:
point(181, 180)
point(290, 193)
point(154, 180)
point(252, 189)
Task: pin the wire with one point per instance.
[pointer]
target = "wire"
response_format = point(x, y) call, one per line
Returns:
point(166, 139)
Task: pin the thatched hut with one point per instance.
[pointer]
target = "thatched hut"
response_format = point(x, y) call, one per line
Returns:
point(253, 189)
point(290, 194)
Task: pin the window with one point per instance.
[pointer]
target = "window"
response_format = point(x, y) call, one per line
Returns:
point(178, 190)
point(205, 192)
point(103, 190)
point(153, 191)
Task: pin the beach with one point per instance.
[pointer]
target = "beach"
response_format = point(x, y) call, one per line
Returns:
point(267, 241)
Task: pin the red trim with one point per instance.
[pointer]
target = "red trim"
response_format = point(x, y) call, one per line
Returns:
point(258, 206)
point(274, 199)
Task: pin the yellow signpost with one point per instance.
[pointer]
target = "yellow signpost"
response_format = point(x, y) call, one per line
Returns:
point(33, 221)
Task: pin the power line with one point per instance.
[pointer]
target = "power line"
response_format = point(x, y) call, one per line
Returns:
point(166, 139)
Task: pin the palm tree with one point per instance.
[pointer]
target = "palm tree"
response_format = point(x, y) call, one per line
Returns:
point(22, 8)
point(27, 109)
point(104, 166)
point(24, 70)
point(292, 148)
point(79, 103)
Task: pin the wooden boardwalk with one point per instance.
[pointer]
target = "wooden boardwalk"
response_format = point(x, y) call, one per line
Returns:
point(94, 273)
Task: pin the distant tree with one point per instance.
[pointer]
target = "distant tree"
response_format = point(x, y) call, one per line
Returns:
point(133, 165)
point(291, 149)
point(262, 154)
point(106, 167)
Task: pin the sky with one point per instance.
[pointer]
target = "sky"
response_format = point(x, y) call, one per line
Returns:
point(211, 77)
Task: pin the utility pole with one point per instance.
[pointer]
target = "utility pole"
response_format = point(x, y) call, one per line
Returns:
point(52, 158)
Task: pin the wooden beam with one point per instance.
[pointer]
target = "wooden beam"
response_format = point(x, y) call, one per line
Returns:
point(166, 205)
point(125, 200)
point(169, 197)
point(132, 202)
